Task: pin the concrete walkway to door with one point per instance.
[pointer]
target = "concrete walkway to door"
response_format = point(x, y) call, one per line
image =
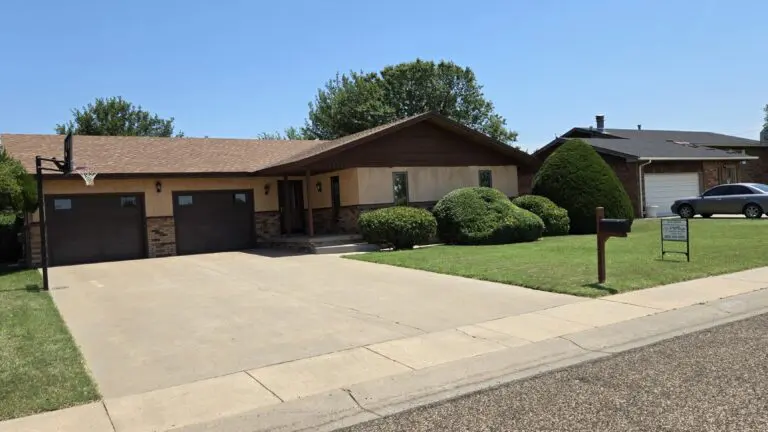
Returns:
point(151, 324)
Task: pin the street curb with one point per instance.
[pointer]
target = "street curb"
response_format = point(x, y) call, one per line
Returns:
point(373, 399)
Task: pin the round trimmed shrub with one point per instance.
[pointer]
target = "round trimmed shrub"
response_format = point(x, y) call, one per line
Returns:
point(577, 179)
point(556, 220)
point(481, 215)
point(397, 227)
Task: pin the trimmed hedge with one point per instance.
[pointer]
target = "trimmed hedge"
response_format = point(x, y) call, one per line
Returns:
point(577, 179)
point(481, 215)
point(398, 227)
point(556, 220)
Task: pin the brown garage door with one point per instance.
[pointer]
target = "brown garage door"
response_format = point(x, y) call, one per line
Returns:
point(213, 221)
point(95, 227)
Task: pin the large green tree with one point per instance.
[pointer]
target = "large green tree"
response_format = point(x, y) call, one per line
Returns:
point(290, 133)
point(116, 116)
point(18, 190)
point(765, 120)
point(357, 101)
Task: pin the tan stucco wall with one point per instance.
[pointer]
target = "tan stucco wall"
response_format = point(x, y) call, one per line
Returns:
point(161, 204)
point(348, 188)
point(430, 183)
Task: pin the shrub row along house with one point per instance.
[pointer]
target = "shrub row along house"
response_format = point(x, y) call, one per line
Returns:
point(166, 196)
point(658, 166)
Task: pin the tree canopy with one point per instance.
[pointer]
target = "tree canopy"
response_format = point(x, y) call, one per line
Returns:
point(291, 133)
point(18, 190)
point(116, 116)
point(350, 103)
point(765, 119)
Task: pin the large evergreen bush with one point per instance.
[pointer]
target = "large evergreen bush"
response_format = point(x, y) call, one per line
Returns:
point(577, 179)
point(481, 215)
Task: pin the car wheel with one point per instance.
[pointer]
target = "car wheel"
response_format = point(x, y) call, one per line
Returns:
point(686, 211)
point(753, 211)
point(706, 215)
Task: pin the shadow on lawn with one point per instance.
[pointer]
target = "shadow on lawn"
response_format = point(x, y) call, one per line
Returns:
point(601, 287)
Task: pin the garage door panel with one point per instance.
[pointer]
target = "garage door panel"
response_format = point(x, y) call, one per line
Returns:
point(95, 228)
point(663, 189)
point(213, 221)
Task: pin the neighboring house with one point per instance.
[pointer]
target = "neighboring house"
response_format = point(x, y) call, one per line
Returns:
point(657, 166)
point(166, 196)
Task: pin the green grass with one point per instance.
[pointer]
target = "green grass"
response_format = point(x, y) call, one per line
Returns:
point(41, 368)
point(568, 264)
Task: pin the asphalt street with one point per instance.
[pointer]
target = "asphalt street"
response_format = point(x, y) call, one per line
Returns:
point(713, 380)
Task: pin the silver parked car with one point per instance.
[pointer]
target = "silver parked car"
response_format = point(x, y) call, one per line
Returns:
point(749, 199)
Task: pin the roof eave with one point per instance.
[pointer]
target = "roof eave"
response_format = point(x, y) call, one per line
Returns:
point(705, 158)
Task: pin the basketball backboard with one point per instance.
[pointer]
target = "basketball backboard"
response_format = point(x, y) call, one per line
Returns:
point(68, 157)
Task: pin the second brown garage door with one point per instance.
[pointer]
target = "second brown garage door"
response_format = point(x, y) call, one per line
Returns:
point(213, 221)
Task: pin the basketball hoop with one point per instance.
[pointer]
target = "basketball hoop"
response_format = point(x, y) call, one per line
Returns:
point(87, 174)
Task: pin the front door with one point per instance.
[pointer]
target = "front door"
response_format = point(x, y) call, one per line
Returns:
point(291, 200)
point(335, 200)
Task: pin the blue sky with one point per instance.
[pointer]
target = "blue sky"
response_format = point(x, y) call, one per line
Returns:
point(237, 68)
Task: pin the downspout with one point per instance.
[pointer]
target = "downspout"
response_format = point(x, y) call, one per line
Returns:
point(640, 186)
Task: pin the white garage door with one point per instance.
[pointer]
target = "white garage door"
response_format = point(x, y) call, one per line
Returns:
point(663, 189)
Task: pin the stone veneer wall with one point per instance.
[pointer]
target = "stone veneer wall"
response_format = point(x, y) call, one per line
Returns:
point(266, 224)
point(32, 244)
point(161, 236)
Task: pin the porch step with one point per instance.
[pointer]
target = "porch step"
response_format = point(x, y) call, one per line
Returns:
point(335, 240)
point(345, 248)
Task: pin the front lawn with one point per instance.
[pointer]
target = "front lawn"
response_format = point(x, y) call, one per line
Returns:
point(568, 264)
point(41, 368)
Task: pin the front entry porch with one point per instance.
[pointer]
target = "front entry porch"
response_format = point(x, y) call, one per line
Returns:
point(321, 244)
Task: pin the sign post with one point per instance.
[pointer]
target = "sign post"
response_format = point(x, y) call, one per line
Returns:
point(675, 230)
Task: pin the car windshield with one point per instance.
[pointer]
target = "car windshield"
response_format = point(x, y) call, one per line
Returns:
point(761, 187)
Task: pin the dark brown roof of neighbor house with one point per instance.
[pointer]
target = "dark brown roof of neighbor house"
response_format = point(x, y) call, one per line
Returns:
point(145, 155)
point(151, 155)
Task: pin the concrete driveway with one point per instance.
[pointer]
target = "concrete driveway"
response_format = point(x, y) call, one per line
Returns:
point(151, 324)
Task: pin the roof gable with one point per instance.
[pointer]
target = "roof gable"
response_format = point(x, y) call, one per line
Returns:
point(333, 149)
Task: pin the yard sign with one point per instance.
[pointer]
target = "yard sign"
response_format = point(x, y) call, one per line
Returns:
point(675, 230)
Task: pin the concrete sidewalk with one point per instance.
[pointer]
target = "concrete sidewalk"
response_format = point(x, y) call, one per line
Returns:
point(349, 386)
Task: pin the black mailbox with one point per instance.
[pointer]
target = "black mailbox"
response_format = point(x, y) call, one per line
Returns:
point(615, 226)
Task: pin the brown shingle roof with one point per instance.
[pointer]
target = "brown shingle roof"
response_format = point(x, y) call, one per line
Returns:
point(151, 155)
point(145, 155)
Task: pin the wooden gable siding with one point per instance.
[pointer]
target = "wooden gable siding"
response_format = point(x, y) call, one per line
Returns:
point(419, 145)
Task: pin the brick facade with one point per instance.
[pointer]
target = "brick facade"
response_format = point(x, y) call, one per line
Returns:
point(754, 171)
point(161, 236)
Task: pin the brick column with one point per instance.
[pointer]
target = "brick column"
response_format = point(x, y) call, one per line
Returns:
point(161, 235)
point(710, 176)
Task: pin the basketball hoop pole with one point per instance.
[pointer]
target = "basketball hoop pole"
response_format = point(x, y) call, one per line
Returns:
point(41, 214)
point(65, 167)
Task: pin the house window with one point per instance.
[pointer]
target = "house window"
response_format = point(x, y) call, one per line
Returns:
point(240, 198)
point(128, 201)
point(486, 178)
point(62, 204)
point(400, 187)
point(184, 200)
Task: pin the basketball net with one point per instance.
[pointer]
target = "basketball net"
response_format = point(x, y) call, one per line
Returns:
point(87, 174)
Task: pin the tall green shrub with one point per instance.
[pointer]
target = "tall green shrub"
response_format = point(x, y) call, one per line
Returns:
point(577, 179)
point(481, 215)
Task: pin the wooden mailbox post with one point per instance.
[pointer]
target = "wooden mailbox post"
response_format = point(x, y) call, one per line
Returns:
point(607, 228)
